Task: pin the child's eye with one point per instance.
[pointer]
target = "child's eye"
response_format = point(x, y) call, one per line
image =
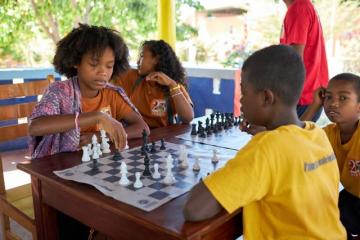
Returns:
point(327, 97)
point(110, 66)
point(93, 64)
point(342, 98)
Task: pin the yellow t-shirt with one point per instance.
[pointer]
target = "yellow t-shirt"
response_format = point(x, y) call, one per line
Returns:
point(149, 98)
point(287, 182)
point(348, 157)
point(108, 101)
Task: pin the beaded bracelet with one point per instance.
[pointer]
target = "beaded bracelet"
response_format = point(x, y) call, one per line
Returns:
point(175, 88)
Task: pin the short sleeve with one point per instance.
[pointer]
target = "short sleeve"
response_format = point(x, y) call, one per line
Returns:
point(244, 179)
point(296, 26)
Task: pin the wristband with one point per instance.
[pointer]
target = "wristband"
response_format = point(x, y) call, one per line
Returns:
point(77, 120)
point(176, 94)
point(175, 88)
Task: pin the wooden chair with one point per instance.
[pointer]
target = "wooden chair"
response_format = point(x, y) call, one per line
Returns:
point(17, 203)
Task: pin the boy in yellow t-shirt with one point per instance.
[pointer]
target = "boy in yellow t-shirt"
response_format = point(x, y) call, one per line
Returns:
point(285, 179)
point(341, 101)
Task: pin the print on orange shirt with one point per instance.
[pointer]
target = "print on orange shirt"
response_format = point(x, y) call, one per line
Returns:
point(354, 167)
point(158, 107)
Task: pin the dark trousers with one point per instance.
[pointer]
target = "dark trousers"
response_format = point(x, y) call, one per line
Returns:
point(300, 109)
point(349, 206)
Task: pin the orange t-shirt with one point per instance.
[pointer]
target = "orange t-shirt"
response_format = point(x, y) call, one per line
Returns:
point(148, 98)
point(107, 101)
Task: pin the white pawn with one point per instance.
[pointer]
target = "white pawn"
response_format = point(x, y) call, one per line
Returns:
point(156, 174)
point(124, 181)
point(215, 157)
point(85, 156)
point(196, 166)
point(138, 183)
point(105, 146)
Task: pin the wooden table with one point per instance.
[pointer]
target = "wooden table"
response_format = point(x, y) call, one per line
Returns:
point(116, 219)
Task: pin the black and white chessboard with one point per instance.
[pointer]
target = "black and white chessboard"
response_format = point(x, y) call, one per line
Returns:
point(154, 193)
point(231, 138)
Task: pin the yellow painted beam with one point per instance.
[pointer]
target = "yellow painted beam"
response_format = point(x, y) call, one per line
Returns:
point(166, 21)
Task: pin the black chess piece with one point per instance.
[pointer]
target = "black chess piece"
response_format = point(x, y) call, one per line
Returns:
point(212, 116)
point(207, 123)
point(95, 166)
point(162, 147)
point(202, 133)
point(236, 121)
point(193, 129)
point(146, 172)
point(117, 156)
point(144, 147)
point(217, 118)
point(209, 132)
point(200, 127)
point(153, 148)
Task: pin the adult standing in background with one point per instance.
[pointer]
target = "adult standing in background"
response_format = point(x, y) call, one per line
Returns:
point(302, 30)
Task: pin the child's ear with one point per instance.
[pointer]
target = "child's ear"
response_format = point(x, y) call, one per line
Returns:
point(268, 97)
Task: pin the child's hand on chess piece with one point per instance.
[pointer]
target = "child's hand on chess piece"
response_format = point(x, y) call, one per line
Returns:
point(318, 96)
point(85, 138)
point(115, 130)
point(252, 129)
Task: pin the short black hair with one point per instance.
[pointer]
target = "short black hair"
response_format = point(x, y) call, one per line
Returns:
point(93, 39)
point(350, 78)
point(168, 61)
point(278, 68)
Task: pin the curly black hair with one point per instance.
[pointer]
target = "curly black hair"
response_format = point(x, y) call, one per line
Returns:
point(93, 39)
point(168, 61)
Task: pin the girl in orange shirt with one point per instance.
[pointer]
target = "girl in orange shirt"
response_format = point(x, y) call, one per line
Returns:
point(158, 88)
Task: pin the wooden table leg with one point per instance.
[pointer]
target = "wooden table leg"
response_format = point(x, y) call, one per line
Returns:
point(45, 216)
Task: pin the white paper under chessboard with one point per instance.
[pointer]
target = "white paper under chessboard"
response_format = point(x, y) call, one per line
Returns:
point(231, 138)
point(154, 193)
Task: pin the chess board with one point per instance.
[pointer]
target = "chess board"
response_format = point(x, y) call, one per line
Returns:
point(154, 193)
point(231, 138)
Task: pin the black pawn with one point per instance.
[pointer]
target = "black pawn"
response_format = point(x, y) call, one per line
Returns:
point(162, 147)
point(117, 156)
point(202, 133)
point(193, 129)
point(147, 166)
point(153, 148)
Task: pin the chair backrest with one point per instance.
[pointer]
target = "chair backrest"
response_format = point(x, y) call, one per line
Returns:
point(12, 112)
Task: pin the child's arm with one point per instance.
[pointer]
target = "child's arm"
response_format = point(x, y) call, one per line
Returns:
point(182, 105)
point(136, 125)
point(318, 99)
point(47, 125)
point(201, 204)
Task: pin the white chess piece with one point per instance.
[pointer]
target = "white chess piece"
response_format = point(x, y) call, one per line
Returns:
point(215, 157)
point(98, 148)
point(138, 183)
point(89, 149)
point(124, 181)
point(85, 156)
point(196, 166)
point(183, 158)
point(156, 174)
point(105, 146)
point(169, 178)
point(94, 140)
point(95, 153)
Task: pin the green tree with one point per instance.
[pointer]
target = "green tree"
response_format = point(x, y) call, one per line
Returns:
point(22, 21)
